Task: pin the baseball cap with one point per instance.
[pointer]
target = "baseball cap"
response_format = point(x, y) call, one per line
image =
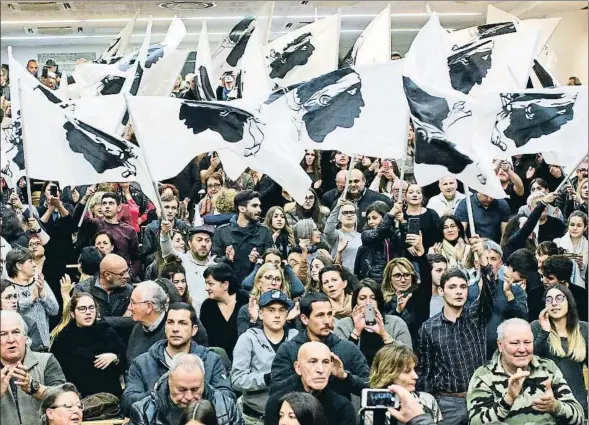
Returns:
point(274, 296)
point(209, 230)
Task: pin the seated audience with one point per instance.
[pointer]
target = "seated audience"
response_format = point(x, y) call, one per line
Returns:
point(62, 406)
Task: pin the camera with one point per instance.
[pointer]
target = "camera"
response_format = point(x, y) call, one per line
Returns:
point(379, 399)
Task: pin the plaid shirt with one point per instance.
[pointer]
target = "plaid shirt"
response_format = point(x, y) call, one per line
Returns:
point(451, 352)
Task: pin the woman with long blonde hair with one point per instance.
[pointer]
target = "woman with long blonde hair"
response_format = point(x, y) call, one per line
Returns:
point(90, 351)
point(395, 364)
point(560, 336)
point(269, 277)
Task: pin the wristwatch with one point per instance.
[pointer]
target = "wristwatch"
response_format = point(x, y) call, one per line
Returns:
point(33, 387)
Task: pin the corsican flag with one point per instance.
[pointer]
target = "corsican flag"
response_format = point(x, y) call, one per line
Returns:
point(63, 148)
point(226, 56)
point(374, 44)
point(190, 128)
point(162, 60)
point(203, 68)
point(255, 82)
point(305, 53)
point(357, 109)
point(118, 45)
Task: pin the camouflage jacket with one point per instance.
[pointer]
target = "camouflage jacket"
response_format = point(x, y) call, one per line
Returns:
point(488, 386)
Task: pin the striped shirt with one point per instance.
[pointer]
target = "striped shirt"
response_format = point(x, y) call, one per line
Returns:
point(450, 352)
point(37, 311)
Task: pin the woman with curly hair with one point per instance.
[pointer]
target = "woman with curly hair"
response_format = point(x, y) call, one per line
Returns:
point(224, 209)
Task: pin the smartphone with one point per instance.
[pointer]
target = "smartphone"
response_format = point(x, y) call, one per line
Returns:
point(386, 164)
point(379, 399)
point(44, 72)
point(413, 226)
point(369, 316)
point(53, 191)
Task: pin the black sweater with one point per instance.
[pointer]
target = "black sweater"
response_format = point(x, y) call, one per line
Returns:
point(76, 349)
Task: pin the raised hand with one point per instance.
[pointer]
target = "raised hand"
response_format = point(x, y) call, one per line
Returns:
point(544, 320)
point(514, 385)
point(402, 301)
point(230, 253)
point(358, 319)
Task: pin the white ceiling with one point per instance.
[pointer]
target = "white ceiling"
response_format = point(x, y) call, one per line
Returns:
point(225, 14)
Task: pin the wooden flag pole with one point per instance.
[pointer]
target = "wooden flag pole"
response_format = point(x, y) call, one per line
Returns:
point(84, 213)
point(469, 210)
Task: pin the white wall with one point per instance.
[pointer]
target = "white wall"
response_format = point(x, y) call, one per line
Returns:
point(23, 54)
point(570, 43)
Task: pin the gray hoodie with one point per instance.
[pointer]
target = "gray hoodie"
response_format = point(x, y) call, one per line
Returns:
point(252, 359)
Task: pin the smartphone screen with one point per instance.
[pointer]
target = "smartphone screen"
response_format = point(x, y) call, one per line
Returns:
point(413, 226)
point(379, 399)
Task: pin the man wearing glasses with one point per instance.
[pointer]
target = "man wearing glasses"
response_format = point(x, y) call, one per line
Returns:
point(25, 375)
point(111, 289)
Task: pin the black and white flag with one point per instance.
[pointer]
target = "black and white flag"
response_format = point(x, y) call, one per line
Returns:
point(304, 53)
point(356, 110)
point(203, 68)
point(118, 45)
point(63, 148)
point(227, 55)
point(172, 131)
point(373, 45)
point(162, 66)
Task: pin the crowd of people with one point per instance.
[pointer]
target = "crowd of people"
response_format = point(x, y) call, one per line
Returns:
point(233, 304)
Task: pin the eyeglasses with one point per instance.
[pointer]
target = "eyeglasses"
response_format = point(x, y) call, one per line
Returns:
point(349, 212)
point(399, 276)
point(582, 170)
point(273, 279)
point(559, 299)
point(451, 226)
point(77, 406)
point(84, 309)
point(34, 244)
point(11, 297)
point(309, 198)
point(214, 186)
point(356, 181)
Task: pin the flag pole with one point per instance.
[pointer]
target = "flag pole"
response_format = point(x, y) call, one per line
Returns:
point(83, 214)
point(469, 210)
point(146, 162)
point(24, 148)
point(349, 175)
point(568, 177)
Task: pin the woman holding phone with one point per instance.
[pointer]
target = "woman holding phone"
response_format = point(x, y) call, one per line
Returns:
point(422, 219)
point(368, 327)
point(575, 243)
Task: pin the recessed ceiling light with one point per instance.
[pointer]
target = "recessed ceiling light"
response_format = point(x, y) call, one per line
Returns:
point(187, 5)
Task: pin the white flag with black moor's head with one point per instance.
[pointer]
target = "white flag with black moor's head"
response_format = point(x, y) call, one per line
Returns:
point(226, 56)
point(203, 68)
point(441, 148)
point(374, 43)
point(118, 45)
point(256, 85)
point(356, 109)
point(160, 71)
point(63, 148)
point(533, 121)
point(190, 128)
point(305, 53)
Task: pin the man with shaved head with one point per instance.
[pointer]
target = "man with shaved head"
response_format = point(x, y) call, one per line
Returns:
point(362, 196)
point(313, 368)
point(518, 387)
point(110, 287)
point(446, 202)
point(332, 195)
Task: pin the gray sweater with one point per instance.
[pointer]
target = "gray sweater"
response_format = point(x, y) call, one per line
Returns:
point(252, 359)
point(333, 235)
point(394, 325)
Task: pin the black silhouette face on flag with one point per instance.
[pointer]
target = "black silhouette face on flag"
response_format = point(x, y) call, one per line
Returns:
point(13, 137)
point(154, 54)
point(48, 93)
point(331, 101)
point(296, 53)
point(111, 84)
point(237, 39)
point(232, 124)
point(493, 30)
point(530, 116)
point(431, 116)
point(101, 150)
point(469, 66)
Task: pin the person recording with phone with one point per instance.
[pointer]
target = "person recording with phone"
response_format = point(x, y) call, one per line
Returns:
point(368, 327)
point(427, 220)
point(395, 364)
point(575, 243)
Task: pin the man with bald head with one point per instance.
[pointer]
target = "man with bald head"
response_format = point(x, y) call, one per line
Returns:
point(446, 202)
point(110, 287)
point(332, 195)
point(313, 368)
point(518, 387)
point(362, 196)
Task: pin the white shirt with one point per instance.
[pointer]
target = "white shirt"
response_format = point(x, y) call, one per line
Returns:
point(440, 204)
